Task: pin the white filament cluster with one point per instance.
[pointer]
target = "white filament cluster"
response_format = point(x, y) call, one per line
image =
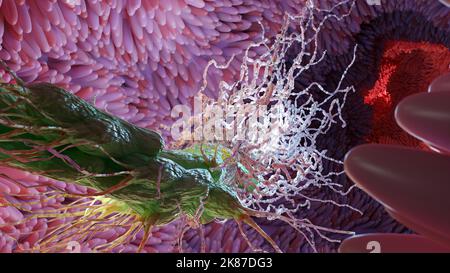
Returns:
point(276, 126)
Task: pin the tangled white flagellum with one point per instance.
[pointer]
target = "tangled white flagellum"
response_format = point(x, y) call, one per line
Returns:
point(275, 158)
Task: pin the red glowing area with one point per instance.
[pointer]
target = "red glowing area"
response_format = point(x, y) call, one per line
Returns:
point(406, 68)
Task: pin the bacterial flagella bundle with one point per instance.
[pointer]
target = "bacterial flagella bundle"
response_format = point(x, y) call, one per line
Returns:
point(86, 85)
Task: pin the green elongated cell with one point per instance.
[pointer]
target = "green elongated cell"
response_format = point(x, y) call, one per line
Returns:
point(49, 130)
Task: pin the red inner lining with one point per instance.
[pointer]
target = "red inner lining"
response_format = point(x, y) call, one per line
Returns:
point(406, 68)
